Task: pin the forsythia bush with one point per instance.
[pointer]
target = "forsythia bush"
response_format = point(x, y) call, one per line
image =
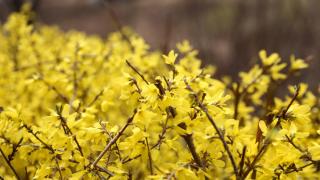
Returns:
point(80, 107)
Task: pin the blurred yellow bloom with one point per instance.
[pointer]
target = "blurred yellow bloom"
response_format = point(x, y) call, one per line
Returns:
point(170, 58)
point(297, 64)
point(269, 60)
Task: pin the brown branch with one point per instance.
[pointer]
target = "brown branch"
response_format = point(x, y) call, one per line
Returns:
point(189, 141)
point(159, 86)
point(9, 164)
point(297, 169)
point(283, 114)
point(46, 146)
point(114, 139)
point(251, 166)
point(26, 173)
point(96, 98)
point(110, 136)
point(294, 145)
point(157, 144)
point(171, 113)
point(14, 149)
point(66, 128)
point(136, 70)
point(239, 94)
point(241, 164)
point(58, 166)
point(102, 169)
point(295, 96)
point(162, 135)
point(221, 136)
point(134, 81)
point(149, 156)
point(264, 147)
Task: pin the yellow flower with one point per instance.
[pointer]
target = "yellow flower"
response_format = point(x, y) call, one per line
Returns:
point(170, 58)
point(184, 46)
point(297, 64)
point(156, 118)
point(274, 58)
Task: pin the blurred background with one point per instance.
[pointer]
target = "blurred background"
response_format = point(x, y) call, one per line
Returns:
point(227, 33)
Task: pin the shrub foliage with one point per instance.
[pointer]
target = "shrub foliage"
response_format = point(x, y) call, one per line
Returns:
point(76, 107)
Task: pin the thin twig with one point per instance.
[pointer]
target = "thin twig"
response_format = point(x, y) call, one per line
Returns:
point(295, 96)
point(240, 94)
point(14, 149)
point(241, 164)
point(293, 144)
point(110, 136)
point(162, 135)
point(49, 147)
point(189, 141)
point(134, 81)
point(67, 129)
point(149, 156)
point(96, 98)
point(221, 136)
point(298, 169)
point(114, 139)
point(58, 166)
point(46, 146)
point(136, 70)
point(9, 164)
point(264, 147)
point(102, 169)
point(157, 144)
point(251, 166)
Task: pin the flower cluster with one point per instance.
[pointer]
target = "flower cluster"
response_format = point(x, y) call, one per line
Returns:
point(75, 106)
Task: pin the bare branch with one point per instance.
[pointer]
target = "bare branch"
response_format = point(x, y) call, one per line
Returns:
point(293, 144)
point(136, 70)
point(114, 139)
point(251, 166)
point(149, 156)
point(241, 164)
point(96, 98)
point(9, 164)
point(221, 136)
point(58, 166)
point(284, 112)
point(102, 169)
point(46, 146)
point(14, 149)
point(66, 128)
